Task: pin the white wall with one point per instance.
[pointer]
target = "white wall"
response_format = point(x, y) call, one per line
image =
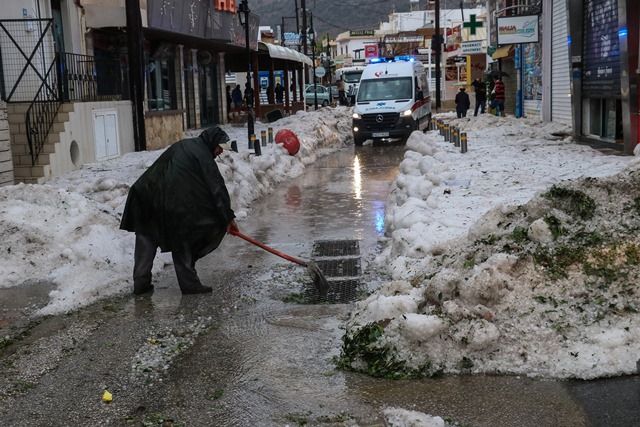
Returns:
point(79, 128)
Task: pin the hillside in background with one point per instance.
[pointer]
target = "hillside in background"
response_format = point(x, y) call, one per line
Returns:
point(329, 16)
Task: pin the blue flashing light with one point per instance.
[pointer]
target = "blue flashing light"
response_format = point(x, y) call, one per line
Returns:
point(622, 32)
point(404, 58)
point(569, 40)
point(377, 60)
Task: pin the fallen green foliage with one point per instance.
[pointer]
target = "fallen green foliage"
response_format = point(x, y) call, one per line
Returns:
point(363, 347)
point(575, 203)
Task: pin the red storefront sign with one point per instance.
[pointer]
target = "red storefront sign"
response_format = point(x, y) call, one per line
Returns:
point(370, 51)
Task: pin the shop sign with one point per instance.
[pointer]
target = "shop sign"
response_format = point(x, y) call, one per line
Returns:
point(292, 39)
point(472, 47)
point(518, 29)
point(362, 33)
point(405, 39)
point(370, 51)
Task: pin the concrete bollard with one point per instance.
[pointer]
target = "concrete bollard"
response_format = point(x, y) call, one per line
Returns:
point(463, 142)
point(270, 131)
point(263, 137)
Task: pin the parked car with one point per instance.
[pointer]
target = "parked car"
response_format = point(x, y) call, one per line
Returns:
point(334, 91)
point(322, 93)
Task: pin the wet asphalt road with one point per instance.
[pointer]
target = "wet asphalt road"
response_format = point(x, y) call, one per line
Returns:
point(243, 357)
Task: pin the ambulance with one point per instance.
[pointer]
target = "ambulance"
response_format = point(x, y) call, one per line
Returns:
point(393, 100)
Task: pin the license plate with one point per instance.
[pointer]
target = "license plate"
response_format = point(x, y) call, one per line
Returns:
point(379, 134)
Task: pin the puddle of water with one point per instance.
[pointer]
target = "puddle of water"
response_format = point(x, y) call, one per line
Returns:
point(20, 302)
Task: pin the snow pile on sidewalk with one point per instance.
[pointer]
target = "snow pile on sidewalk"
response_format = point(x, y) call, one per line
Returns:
point(491, 280)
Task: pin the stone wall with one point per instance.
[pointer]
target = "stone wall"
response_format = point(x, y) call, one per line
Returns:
point(162, 130)
point(6, 159)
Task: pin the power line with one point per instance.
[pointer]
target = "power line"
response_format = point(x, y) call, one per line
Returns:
point(329, 23)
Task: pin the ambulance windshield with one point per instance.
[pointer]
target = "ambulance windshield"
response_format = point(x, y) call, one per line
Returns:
point(394, 88)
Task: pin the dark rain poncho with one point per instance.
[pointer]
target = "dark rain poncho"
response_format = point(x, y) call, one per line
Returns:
point(181, 200)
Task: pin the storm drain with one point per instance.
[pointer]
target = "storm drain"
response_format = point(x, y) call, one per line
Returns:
point(339, 261)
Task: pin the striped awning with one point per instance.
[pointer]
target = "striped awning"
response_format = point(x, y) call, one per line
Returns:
point(281, 52)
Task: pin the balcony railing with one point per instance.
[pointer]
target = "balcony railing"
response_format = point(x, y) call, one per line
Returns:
point(85, 78)
point(77, 78)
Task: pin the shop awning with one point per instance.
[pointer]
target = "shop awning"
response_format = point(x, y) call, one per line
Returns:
point(282, 52)
point(503, 52)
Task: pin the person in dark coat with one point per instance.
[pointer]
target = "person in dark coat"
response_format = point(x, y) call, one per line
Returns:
point(248, 95)
point(463, 103)
point(279, 93)
point(180, 205)
point(481, 96)
point(236, 95)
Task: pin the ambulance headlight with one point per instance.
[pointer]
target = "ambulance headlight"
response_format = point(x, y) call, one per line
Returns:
point(406, 113)
point(357, 116)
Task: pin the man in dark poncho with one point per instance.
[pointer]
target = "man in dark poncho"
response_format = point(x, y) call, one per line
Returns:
point(180, 205)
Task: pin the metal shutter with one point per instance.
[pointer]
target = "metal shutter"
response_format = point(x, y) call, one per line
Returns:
point(601, 55)
point(560, 71)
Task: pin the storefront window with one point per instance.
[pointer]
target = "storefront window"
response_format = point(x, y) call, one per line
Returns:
point(161, 85)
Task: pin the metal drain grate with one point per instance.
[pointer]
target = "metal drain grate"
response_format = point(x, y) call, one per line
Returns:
point(335, 248)
point(349, 267)
point(339, 261)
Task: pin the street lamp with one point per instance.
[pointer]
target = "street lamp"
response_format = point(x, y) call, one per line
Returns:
point(312, 36)
point(243, 16)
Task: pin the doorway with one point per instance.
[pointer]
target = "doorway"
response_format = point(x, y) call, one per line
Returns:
point(209, 106)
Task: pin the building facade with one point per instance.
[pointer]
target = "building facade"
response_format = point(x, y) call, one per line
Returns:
point(583, 71)
point(604, 42)
point(89, 80)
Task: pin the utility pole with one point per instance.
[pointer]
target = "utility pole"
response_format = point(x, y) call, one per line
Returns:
point(304, 26)
point(327, 67)
point(438, 49)
point(244, 17)
point(136, 72)
point(297, 22)
point(313, 53)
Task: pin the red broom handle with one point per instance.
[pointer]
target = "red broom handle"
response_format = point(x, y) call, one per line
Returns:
point(267, 248)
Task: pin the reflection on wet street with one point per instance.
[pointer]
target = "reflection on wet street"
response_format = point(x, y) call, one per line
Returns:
point(342, 196)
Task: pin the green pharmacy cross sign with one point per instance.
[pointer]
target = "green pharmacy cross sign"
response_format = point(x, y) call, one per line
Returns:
point(473, 24)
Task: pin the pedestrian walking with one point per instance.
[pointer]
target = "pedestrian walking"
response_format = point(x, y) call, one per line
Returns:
point(463, 103)
point(481, 96)
point(499, 97)
point(236, 96)
point(229, 101)
point(279, 93)
point(248, 95)
point(180, 205)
